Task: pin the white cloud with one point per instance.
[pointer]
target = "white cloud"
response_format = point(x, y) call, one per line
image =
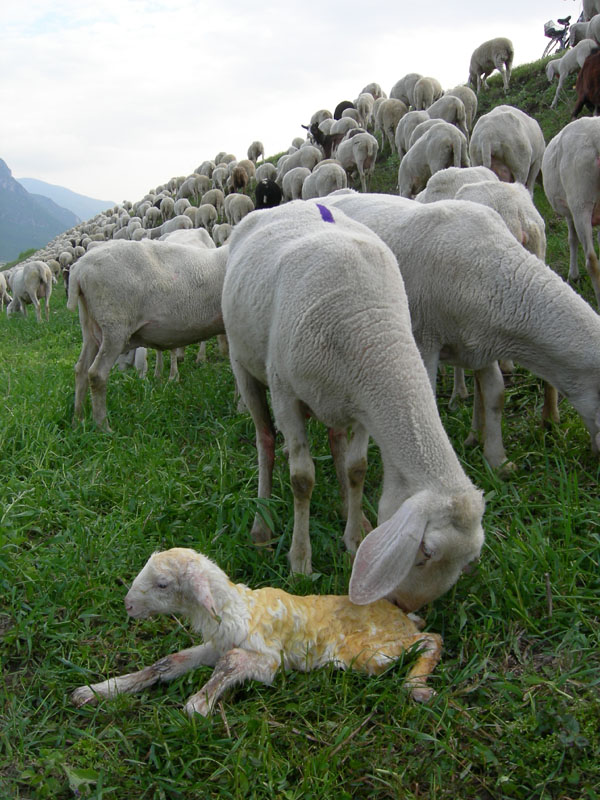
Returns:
point(112, 99)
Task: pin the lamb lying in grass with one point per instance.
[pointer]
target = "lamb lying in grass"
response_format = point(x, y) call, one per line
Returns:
point(250, 633)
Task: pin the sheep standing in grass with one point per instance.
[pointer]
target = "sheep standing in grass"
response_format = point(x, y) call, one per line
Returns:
point(426, 91)
point(256, 151)
point(315, 310)
point(405, 128)
point(477, 296)
point(443, 185)
point(443, 145)
point(236, 207)
point(509, 142)
point(323, 180)
point(251, 633)
point(404, 89)
point(571, 173)
point(450, 109)
point(389, 114)
point(291, 184)
point(571, 60)
point(469, 98)
point(28, 284)
point(141, 294)
point(494, 54)
point(358, 152)
point(4, 296)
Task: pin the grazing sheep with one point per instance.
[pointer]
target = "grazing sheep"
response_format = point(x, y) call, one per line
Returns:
point(251, 633)
point(585, 30)
point(214, 197)
point(4, 296)
point(375, 90)
point(389, 114)
point(351, 113)
point(571, 175)
point(590, 9)
point(358, 152)
point(307, 156)
point(267, 193)
point(443, 145)
point(239, 179)
point(509, 142)
point(264, 171)
point(180, 222)
point(236, 207)
point(514, 204)
point(256, 151)
point(477, 296)
point(324, 179)
point(364, 106)
point(29, 282)
point(564, 66)
point(292, 183)
point(469, 98)
point(494, 54)
point(443, 185)
point(219, 177)
point(314, 309)
point(198, 237)
point(141, 294)
point(179, 207)
point(451, 109)
point(405, 128)
point(426, 91)
point(404, 89)
point(222, 232)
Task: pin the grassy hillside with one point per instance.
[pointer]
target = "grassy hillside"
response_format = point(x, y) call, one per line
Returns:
point(516, 713)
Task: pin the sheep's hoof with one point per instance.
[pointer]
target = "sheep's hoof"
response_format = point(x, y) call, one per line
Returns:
point(197, 705)
point(506, 469)
point(260, 535)
point(422, 694)
point(472, 439)
point(82, 696)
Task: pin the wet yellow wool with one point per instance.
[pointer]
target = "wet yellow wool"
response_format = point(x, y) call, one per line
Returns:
point(317, 629)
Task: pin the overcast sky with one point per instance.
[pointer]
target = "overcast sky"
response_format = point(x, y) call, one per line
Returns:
point(110, 99)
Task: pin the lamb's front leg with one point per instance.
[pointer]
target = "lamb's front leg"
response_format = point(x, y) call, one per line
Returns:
point(166, 669)
point(234, 667)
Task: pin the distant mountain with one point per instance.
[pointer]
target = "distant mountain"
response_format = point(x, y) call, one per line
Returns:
point(27, 220)
point(84, 207)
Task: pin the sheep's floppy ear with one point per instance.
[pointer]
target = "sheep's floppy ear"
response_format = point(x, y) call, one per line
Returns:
point(386, 555)
point(200, 586)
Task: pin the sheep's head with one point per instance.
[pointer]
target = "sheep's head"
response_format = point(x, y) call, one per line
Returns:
point(175, 581)
point(420, 552)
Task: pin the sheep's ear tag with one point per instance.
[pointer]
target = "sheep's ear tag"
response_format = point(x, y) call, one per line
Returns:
point(326, 214)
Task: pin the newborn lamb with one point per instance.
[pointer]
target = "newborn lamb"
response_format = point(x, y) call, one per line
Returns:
point(250, 633)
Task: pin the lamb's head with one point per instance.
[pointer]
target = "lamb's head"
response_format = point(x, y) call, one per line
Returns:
point(420, 551)
point(176, 581)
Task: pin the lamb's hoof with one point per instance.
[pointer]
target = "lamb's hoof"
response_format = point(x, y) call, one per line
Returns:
point(82, 696)
point(422, 694)
point(197, 704)
point(418, 621)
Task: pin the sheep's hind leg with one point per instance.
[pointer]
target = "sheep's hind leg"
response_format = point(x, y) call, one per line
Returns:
point(88, 353)
point(166, 669)
point(429, 656)
point(98, 376)
point(234, 667)
point(254, 397)
point(289, 414)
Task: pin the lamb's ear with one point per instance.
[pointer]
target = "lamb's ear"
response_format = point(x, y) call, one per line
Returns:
point(386, 555)
point(200, 586)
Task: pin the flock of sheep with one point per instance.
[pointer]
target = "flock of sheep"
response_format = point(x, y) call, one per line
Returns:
point(342, 305)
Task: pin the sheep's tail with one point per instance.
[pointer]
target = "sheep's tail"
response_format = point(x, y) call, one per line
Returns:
point(74, 292)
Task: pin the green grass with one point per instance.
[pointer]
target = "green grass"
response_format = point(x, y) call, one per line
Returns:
point(516, 713)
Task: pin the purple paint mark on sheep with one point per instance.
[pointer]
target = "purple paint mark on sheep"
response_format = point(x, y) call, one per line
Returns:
point(325, 213)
